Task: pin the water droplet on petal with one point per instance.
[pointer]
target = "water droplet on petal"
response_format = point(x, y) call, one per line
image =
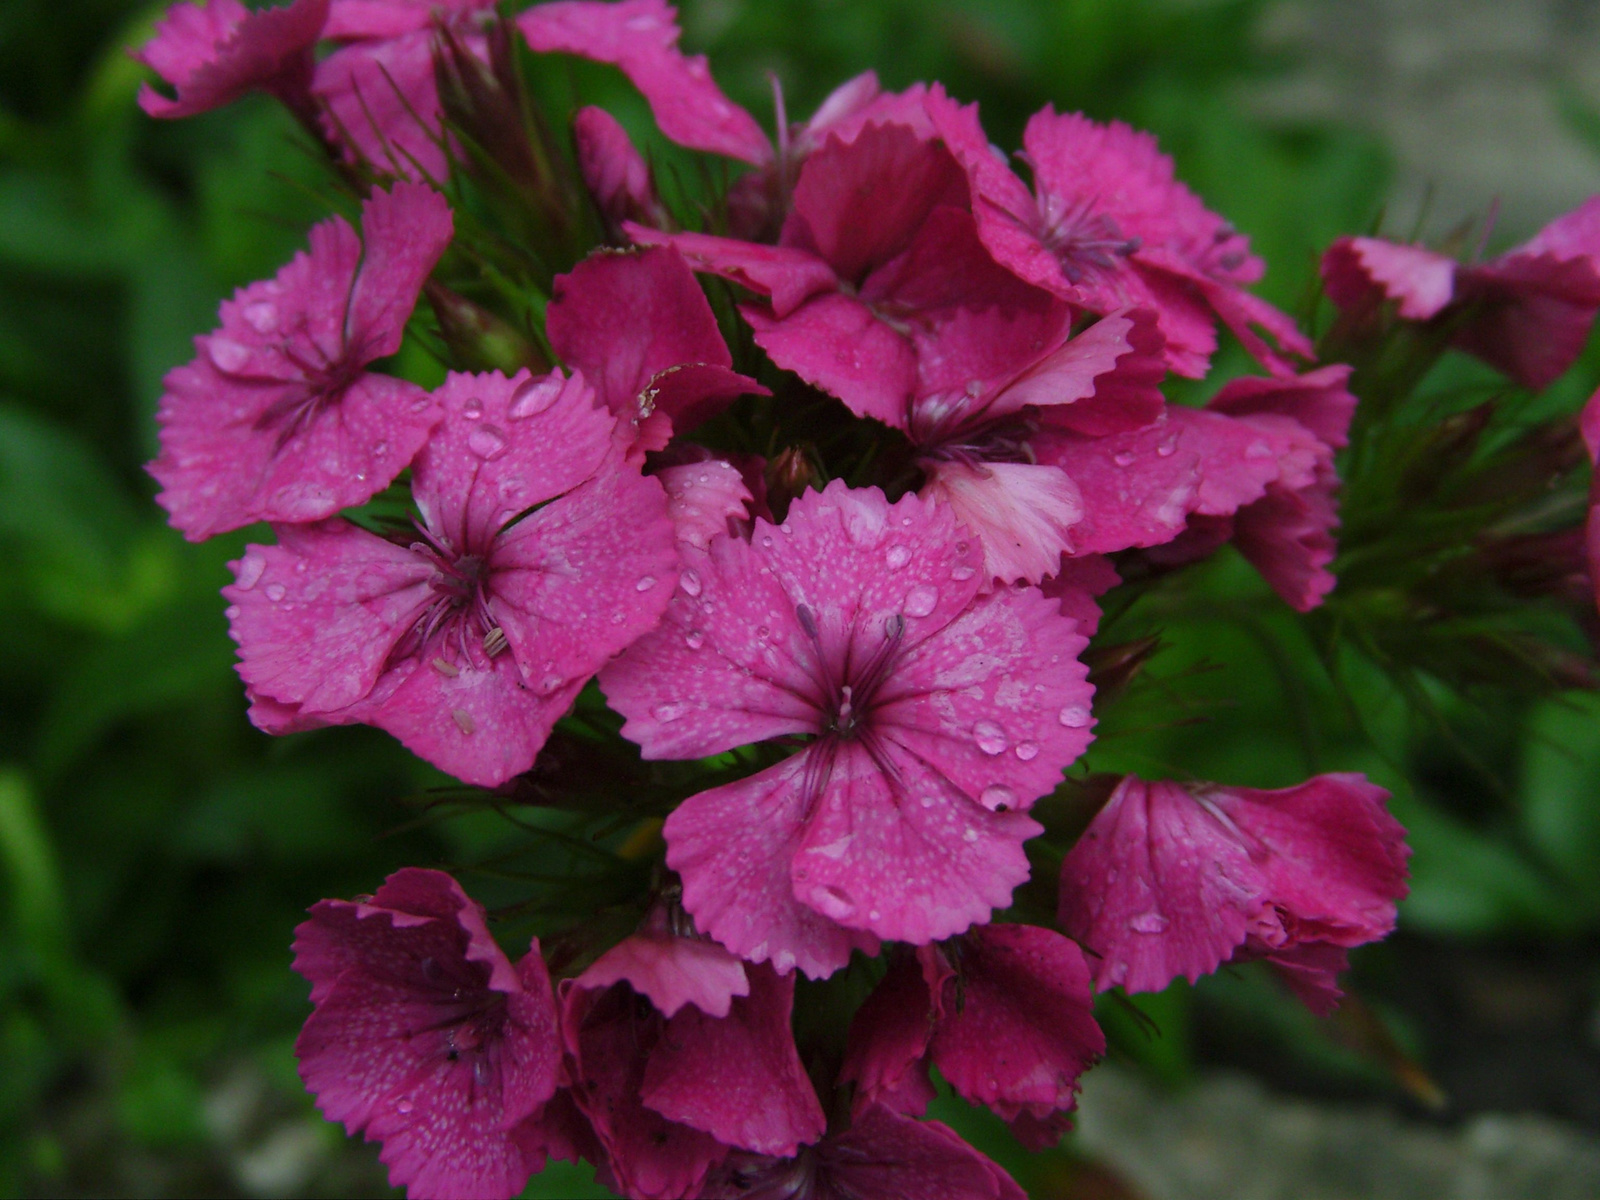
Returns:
point(1074, 716)
point(897, 557)
point(1167, 446)
point(962, 573)
point(927, 801)
point(549, 684)
point(1258, 450)
point(261, 315)
point(533, 397)
point(1124, 458)
point(405, 1106)
point(1149, 922)
point(1119, 972)
point(380, 450)
point(694, 639)
point(689, 581)
point(227, 354)
point(276, 592)
point(671, 711)
point(833, 902)
point(920, 601)
point(997, 798)
point(990, 737)
point(472, 409)
point(250, 568)
point(971, 835)
point(487, 442)
point(767, 542)
point(645, 584)
point(1027, 751)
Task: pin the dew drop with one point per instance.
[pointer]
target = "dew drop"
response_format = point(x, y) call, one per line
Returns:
point(1074, 716)
point(920, 601)
point(694, 639)
point(645, 584)
point(472, 409)
point(487, 442)
point(1124, 458)
point(262, 316)
point(971, 835)
point(1027, 751)
point(874, 915)
point(962, 573)
point(549, 684)
point(1167, 446)
point(250, 568)
point(767, 542)
point(533, 397)
point(227, 354)
point(671, 711)
point(833, 902)
point(763, 632)
point(997, 798)
point(380, 450)
point(1148, 922)
point(927, 801)
point(276, 592)
point(1119, 972)
point(1258, 450)
point(405, 1106)
point(689, 581)
point(897, 557)
point(463, 720)
point(990, 737)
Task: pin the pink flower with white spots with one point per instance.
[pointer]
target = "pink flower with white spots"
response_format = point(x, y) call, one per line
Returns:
point(1175, 879)
point(1006, 1014)
point(539, 554)
point(426, 1038)
point(937, 716)
point(278, 418)
point(214, 52)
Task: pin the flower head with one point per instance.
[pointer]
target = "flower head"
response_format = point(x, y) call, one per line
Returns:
point(214, 52)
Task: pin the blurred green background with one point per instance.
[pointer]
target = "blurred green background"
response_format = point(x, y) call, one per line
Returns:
point(156, 851)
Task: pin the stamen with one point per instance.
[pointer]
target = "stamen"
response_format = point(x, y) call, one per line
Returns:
point(494, 642)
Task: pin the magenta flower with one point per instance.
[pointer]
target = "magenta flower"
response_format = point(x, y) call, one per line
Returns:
point(1174, 879)
point(1589, 423)
point(1107, 226)
point(641, 330)
point(425, 1037)
point(881, 1154)
point(1005, 1013)
point(538, 556)
point(937, 715)
point(278, 419)
point(616, 174)
point(641, 37)
point(379, 90)
point(668, 1094)
point(1529, 311)
point(214, 52)
point(878, 253)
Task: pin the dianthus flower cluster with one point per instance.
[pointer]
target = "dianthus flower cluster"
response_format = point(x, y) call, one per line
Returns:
point(848, 577)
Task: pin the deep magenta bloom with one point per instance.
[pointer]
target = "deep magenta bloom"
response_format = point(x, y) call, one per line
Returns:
point(1006, 1014)
point(668, 1094)
point(1589, 423)
point(1175, 879)
point(278, 418)
point(379, 88)
point(538, 556)
point(425, 1037)
point(616, 174)
point(214, 52)
point(881, 1155)
point(878, 253)
point(1529, 311)
point(641, 38)
point(1108, 226)
point(937, 715)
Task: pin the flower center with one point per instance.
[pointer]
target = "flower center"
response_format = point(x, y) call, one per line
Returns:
point(457, 626)
point(1084, 241)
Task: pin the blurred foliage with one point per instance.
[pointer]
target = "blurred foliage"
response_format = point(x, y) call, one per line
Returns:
point(156, 851)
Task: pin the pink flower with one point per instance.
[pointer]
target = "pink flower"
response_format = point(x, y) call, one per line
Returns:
point(1527, 312)
point(379, 88)
point(641, 37)
point(878, 253)
point(880, 1154)
point(668, 1093)
point(1589, 423)
point(641, 330)
point(616, 174)
point(1175, 879)
point(539, 555)
point(277, 419)
point(938, 714)
point(425, 1037)
point(1107, 226)
point(214, 52)
point(1004, 1012)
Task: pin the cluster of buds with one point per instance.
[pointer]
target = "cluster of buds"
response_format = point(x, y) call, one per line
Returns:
point(846, 580)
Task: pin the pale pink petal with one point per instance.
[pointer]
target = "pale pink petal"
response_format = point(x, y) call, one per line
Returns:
point(1023, 514)
point(1023, 1030)
point(732, 846)
point(641, 37)
point(738, 1077)
point(1359, 272)
point(215, 52)
point(672, 972)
